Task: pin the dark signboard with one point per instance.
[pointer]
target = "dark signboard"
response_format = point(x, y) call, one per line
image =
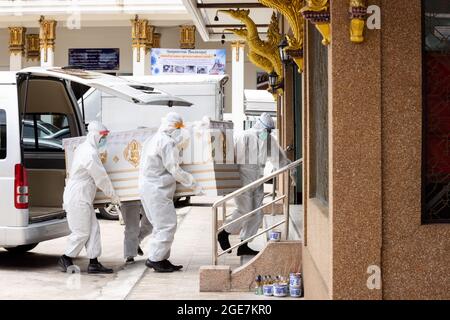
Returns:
point(95, 59)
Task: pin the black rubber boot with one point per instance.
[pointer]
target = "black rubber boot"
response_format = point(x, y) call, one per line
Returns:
point(96, 267)
point(64, 262)
point(245, 250)
point(224, 241)
point(129, 260)
point(160, 266)
point(175, 267)
point(140, 252)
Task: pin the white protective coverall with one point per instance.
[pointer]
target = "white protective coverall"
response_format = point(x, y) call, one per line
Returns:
point(253, 148)
point(158, 173)
point(85, 176)
point(136, 228)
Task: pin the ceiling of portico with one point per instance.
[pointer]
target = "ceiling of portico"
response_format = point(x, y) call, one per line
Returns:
point(104, 13)
point(203, 13)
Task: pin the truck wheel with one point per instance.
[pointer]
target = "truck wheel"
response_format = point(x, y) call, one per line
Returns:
point(23, 248)
point(109, 212)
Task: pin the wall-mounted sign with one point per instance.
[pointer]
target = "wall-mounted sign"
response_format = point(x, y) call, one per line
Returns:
point(180, 61)
point(95, 59)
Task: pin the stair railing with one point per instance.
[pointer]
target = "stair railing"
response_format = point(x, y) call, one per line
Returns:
point(223, 203)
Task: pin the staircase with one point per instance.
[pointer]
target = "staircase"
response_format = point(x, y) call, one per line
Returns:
point(275, 258)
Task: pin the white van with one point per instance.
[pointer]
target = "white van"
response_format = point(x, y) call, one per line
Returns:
point(38, 108)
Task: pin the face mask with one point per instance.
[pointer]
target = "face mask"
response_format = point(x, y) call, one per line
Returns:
point(264, 134)
point(102, 142)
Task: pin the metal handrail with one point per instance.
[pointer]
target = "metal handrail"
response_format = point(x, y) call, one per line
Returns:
point(222, 202)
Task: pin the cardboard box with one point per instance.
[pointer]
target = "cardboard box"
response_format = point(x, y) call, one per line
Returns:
point(206, 157)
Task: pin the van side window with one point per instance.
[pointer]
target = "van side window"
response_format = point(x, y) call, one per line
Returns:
point(45, 132)
point(2, 134)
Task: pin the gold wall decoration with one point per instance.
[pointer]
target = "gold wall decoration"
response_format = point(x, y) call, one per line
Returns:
point(132, 153)
point(33, 47)
point(156, 40)
point(139, 34)
point(150, 37)
point(261, 52)
point(290, 10)
point(187, 37)
point(17, 40)
point(358, 14)
point(47, 35)
point(237, 45)
point(318, 13)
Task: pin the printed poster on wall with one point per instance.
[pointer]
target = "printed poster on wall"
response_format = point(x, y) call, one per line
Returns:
point(181, 61)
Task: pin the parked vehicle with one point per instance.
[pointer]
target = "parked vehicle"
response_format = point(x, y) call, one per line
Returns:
point(32, 162)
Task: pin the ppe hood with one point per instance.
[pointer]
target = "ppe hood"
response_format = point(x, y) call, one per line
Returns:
point(130, 91)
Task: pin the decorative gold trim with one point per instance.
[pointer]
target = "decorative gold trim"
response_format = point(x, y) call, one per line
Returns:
point(358, 15)
point(156, 40)
point(33, 47)
point(238, 45)
point(318, 13)
point(261, 52)
point(290, 10)
point(139, 35)
point(17, 40)
point(47, 35)
point(187, 37)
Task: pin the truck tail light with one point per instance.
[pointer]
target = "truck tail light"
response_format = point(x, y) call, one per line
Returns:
point(20, 187)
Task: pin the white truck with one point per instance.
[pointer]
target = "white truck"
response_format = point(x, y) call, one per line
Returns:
point(38, 108)
point(205, 92)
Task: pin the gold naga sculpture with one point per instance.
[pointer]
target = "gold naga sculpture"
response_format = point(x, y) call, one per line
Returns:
point(318, 13)
point(290, 10)
point(358, 14)
point(261, 52)
point(258, 60)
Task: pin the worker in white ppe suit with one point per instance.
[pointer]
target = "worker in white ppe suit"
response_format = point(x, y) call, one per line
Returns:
point(253, 148)
point(85, 176)
point(159, 171)
point(137, 228)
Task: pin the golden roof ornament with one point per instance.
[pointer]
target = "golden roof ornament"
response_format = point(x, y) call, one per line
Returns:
point(139, 34)
point(47, 35)
point(290, 10)
point(33, 47)
point(17, 40)
point(358, 15)
point(187, 37)
point(318, 13)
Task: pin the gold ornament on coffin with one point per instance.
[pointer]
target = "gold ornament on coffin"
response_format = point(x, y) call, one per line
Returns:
point(104, 156)
point(290, 10)
point(116, 159)
point(318, 13)
point(33, 47)
point(262, 53)
point(47, 35)
point(132, 153)
point(17, 40)
point(358, 14)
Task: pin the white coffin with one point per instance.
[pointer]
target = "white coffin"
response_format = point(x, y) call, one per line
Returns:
point(123, 150)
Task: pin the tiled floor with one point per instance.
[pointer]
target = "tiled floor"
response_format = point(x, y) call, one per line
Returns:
point(192, 249)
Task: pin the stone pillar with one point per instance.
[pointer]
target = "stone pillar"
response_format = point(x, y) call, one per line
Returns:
point(237, 91)
point(47, 36)
point(16, 47)
point(142, 39)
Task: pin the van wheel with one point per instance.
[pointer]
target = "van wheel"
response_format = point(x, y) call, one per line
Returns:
point(23, 248)
point(109, 212)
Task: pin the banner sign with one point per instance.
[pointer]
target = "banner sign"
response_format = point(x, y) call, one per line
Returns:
point(180, 61)
point(95, 59)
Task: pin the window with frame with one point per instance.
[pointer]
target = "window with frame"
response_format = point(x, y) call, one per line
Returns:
point(45, 132)
point(436, 112)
